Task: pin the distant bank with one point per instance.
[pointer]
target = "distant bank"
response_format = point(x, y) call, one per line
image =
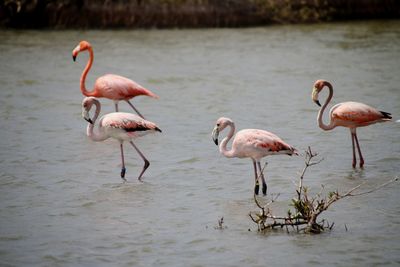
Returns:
point(66, 14)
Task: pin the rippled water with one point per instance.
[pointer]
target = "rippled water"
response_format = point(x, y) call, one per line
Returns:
point(62, 202)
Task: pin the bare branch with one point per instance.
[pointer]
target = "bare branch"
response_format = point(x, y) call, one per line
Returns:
point(373, 189)
point(315, 163)
point(309, 156)
point(307, 209)
point(256, 201)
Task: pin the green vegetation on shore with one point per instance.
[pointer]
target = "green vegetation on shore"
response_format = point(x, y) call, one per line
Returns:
point(64, 14)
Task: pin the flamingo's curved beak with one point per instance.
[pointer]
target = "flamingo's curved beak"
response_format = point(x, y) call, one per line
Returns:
point(85, 115)
point(314, 96)
point(75, 52)
point(215, 134)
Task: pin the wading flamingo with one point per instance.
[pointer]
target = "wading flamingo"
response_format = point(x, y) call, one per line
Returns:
point(250, 143)
point(118, 125)
point(347, 114)
point(110, 86)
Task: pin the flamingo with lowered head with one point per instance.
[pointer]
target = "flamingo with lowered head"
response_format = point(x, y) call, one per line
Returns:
point(110, 86)
point(251, 143)
point(347, 114)
point(118, 125)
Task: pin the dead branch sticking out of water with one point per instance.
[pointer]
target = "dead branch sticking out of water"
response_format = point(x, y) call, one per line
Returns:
point(221, 225)
point(307, 209)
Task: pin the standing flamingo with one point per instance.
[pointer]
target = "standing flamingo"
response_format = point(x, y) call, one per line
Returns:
point(347, 114)
point(110, 86)
point(251, 143)
point(118, 125)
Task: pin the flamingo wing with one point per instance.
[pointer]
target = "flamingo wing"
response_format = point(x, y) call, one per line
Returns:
point(261, 143)
point(358, 114)
point(273, 143)
point(128, 122)
point(120, 88)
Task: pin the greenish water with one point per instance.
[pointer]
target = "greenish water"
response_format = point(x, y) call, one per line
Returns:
point(62, 202)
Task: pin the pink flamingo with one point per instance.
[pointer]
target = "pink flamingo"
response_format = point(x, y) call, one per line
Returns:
point(118, 125)
point(251, 143)
point(347, 114)
point(110, 86)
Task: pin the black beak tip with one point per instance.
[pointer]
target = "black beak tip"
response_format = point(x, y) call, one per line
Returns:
point(317, 102)
point(216, 141)
point(74, 58)
point(89, 120)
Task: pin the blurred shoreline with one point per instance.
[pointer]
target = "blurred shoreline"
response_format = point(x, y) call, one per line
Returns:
point(106, 14)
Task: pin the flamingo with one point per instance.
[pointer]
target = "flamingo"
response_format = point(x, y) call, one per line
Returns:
point(110, 86)
point(118, 125)
point(347, 114)
point(251, 143)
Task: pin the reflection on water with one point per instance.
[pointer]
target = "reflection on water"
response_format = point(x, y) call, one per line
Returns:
point(62, 201)
point(356, 174)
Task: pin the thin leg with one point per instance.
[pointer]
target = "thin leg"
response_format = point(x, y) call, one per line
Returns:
point(257, 185)
point(146, 162)
point(137, 111)
point(354, 150)
point(264, 184)
point(116, 106)
point(123, 170)
point(359, 151)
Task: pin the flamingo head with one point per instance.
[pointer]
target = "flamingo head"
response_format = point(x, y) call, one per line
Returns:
point(220, 125)
point(87, 104)
point(82, 46)
point(318, 85)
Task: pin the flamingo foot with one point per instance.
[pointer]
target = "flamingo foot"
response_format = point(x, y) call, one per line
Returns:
point(264, 189)
point(146, 165)
point(361, 163)
point(256, 188)
point(123, 170)
point(354, 164)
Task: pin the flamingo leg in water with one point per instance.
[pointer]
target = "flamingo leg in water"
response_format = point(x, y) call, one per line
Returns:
point(137, 111)
point(354, 150)
point(359, 151)
point(264, 184)
point(257, 184)
point(116, 106)
point(123, 170)
point(146, 162)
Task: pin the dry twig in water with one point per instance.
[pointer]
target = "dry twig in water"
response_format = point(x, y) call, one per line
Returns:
point(221, 225)
point(307, 209)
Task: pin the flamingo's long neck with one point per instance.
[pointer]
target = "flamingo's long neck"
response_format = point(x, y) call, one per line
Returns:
point(85, 72)
point(222, 147)
point(321, 124)
point(100, 135)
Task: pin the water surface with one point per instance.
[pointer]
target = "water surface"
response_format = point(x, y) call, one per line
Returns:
point(62, 202)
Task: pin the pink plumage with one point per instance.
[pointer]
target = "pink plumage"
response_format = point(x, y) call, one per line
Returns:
point(347, 114)
point(354, 114)
point(110, 86)
point(127, 122)
point(251, 143)
point(116, 87)
point(118, 125)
